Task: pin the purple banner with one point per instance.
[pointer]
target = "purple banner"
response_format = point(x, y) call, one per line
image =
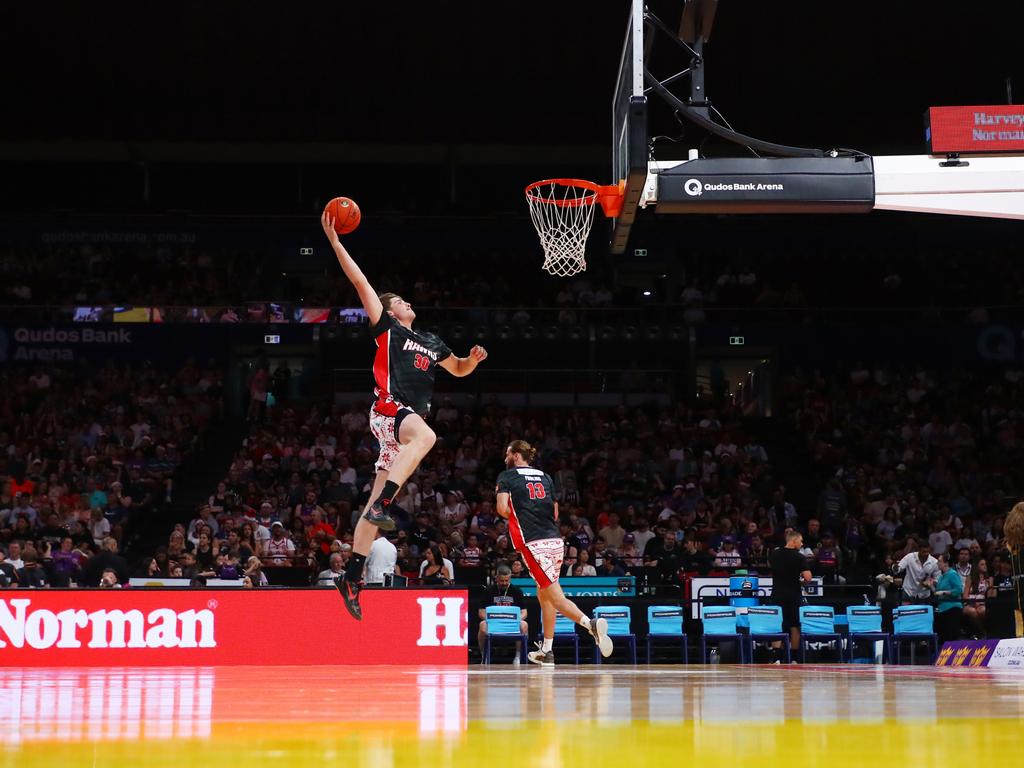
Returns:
point(966, 653)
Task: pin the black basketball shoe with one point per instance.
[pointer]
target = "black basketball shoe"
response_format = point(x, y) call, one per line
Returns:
point(350, 594)
point(378, 515)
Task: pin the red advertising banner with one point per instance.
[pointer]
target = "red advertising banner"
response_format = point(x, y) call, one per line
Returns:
point(138, 627)
point(975, 129)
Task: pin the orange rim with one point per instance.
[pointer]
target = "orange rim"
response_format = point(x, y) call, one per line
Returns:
point(610, 196)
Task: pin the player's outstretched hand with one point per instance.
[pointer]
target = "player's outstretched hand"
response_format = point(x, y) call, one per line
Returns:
point(478, 353)
point(327, 221)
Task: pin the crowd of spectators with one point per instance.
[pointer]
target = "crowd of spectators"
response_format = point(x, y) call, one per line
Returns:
point(86, 453)
point(796, 280)
point(896, 461)
point(190, 276)
point(914, 461)
point(642, 491)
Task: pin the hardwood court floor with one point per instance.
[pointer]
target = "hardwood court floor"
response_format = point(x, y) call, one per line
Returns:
point(500, 716)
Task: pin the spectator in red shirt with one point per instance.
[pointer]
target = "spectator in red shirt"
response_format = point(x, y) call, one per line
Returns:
point(22, 484)
point(320, 531)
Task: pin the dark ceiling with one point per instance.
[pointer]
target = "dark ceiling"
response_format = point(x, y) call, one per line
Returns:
point(825, 74)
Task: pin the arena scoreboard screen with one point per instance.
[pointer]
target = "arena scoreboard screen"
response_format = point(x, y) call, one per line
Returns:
point(975, 129)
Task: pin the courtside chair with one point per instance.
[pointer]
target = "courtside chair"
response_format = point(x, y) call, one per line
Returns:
point(911, 624)
point(665, 622)
point(719, 625)
point(503, 625)
point(565, 633)
point(766, 627)
point(818, 625)
point(865, 623)
point(619, 619)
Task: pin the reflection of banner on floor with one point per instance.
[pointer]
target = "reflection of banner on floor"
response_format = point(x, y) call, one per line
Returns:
point(98, 704)
point(982, 653)
point(206, 627)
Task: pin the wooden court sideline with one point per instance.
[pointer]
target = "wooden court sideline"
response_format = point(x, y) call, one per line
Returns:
point(596, 716)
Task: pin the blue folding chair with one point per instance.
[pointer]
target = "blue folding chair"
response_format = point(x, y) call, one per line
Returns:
point(766, 627)
point(818, 625)
point(865, 623)
point(565, 633)
point(618, 618)
point(666, 622)
point(912, 624)
point(719, 625)
point(503, 624)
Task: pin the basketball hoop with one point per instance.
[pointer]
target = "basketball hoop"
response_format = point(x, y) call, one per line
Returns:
point(562, 211)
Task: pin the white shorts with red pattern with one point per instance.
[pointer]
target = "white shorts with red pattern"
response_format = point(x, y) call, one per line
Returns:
point(543, 559)
point(384, 428)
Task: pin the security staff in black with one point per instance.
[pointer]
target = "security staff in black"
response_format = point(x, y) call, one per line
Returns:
point(789, 574)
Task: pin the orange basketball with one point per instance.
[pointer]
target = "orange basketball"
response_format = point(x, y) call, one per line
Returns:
point(346, 214)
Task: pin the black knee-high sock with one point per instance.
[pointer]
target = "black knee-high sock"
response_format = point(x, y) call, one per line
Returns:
point(354, 569)
point(389, 492)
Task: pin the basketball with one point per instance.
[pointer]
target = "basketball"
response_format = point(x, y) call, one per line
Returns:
point(346, 214)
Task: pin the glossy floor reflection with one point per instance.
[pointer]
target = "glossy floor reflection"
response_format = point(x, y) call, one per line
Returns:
point(611, 716)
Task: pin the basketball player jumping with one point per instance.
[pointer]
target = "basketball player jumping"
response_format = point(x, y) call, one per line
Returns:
point(403, 370)
point(526, 499)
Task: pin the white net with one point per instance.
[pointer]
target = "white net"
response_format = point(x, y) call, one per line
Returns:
point(562, 213)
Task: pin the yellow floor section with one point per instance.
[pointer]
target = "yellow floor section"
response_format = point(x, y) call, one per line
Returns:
point(568, 716)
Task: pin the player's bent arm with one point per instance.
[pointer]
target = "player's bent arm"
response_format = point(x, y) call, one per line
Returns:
point(502, 506)
point(463, 366)
point(367, 296)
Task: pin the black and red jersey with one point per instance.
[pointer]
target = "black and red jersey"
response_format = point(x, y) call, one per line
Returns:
point(532, 497)
point(403, 367)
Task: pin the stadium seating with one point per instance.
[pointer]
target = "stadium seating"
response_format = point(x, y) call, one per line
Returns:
point(766, 627)
point(665, 622)
point(720, 624)
point(817, 625)
point(503, 626)
point(913, 624)
point(865, 624)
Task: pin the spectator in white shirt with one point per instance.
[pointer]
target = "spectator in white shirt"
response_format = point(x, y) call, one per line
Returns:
point(205, 517)
point(279, 549)
point(346, 473)
point(642, 534)
point(728, 556)
point(382, 560)
point(329, 575)
point(939, 539)
point(583, 566)
point(14, 555)
point(920, 571)
point(99, 526)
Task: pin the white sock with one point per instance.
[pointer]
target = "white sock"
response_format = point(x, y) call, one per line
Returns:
point(546, 645)
point(585, 622)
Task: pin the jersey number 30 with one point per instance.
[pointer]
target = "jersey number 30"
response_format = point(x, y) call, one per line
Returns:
point(422, 362)
point(536, 490)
